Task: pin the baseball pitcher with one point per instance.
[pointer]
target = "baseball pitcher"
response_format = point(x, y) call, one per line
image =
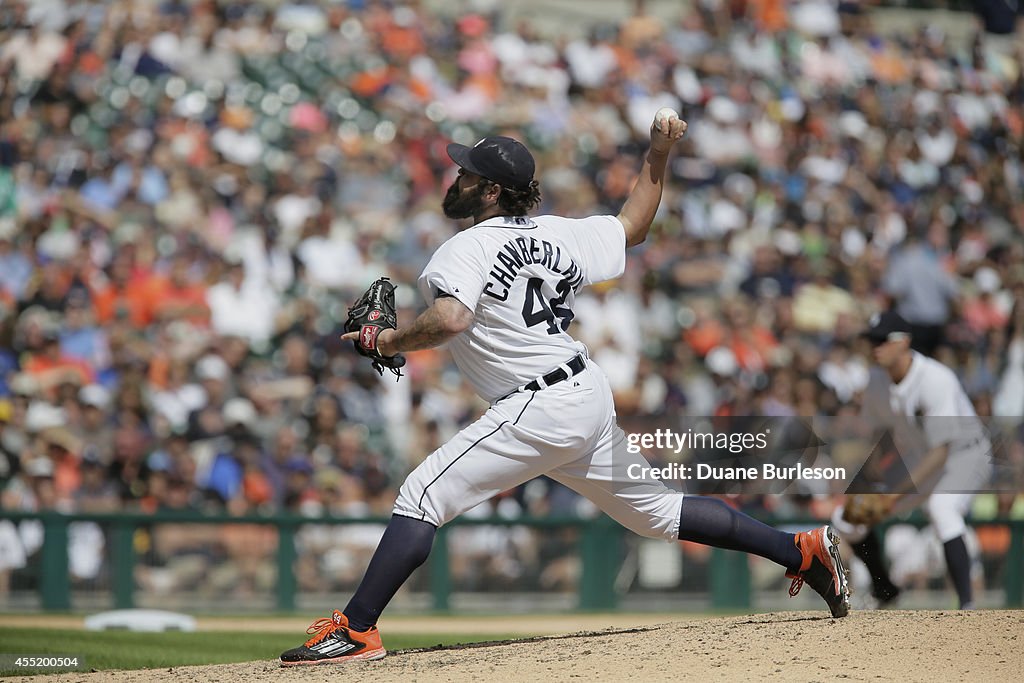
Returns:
point(501, 295)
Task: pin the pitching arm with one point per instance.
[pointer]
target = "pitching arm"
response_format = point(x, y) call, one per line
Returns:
point(641, 205)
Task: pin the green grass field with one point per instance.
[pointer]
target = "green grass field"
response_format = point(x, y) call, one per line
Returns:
point(126, 650)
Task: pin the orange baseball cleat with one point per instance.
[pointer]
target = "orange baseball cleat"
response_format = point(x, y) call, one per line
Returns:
point(333, 642)
point(822, 569)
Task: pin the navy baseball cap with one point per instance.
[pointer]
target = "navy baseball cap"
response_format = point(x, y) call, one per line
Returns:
point(887, 326)
point(497, 158)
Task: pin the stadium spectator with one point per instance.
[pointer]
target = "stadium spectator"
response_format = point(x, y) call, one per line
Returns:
point(924, 293)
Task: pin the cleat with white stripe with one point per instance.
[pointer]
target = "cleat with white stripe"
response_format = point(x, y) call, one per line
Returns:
point(333, 642)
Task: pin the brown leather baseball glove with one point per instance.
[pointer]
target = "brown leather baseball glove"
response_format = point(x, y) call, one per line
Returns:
point(867, 508)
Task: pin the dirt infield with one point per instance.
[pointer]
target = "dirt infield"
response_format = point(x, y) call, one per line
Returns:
point(784, 646)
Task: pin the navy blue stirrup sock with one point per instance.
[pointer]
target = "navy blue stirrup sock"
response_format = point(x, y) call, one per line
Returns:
point(958, 562)
point(403, 547)
point(711, 522)
point(869, 550)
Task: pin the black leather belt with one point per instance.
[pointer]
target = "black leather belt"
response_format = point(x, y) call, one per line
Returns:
point(559, 374)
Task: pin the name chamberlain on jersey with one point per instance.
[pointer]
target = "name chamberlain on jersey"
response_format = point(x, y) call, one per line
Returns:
point(520, 252)
point(519, 276)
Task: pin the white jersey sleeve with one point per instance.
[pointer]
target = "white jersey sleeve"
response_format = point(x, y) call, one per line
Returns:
point(875, 405)
point(947, 414)
point(940, 392)
point(458, 269)
point(601, 242)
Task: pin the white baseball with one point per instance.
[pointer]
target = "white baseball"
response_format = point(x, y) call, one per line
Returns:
point(663, 116)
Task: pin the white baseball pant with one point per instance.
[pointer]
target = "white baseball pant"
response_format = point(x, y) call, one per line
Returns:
point(567, 432)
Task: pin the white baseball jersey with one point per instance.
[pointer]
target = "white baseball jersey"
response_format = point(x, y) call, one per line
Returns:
point(931, 392)
point(520, 277)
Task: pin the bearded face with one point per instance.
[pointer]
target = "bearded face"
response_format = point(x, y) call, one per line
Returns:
point(464, 203)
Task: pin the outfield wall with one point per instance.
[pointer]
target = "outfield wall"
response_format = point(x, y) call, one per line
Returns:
point(213, 563)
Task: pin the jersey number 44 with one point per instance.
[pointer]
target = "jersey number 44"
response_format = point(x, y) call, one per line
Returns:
point(538, 309)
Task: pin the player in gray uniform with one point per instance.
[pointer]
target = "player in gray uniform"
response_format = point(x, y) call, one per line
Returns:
point(923, 398)
point(501, 294)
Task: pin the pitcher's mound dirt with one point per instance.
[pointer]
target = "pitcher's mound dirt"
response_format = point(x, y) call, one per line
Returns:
point(785, 646)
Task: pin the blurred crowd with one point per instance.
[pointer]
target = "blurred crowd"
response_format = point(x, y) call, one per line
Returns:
point(193, 192)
